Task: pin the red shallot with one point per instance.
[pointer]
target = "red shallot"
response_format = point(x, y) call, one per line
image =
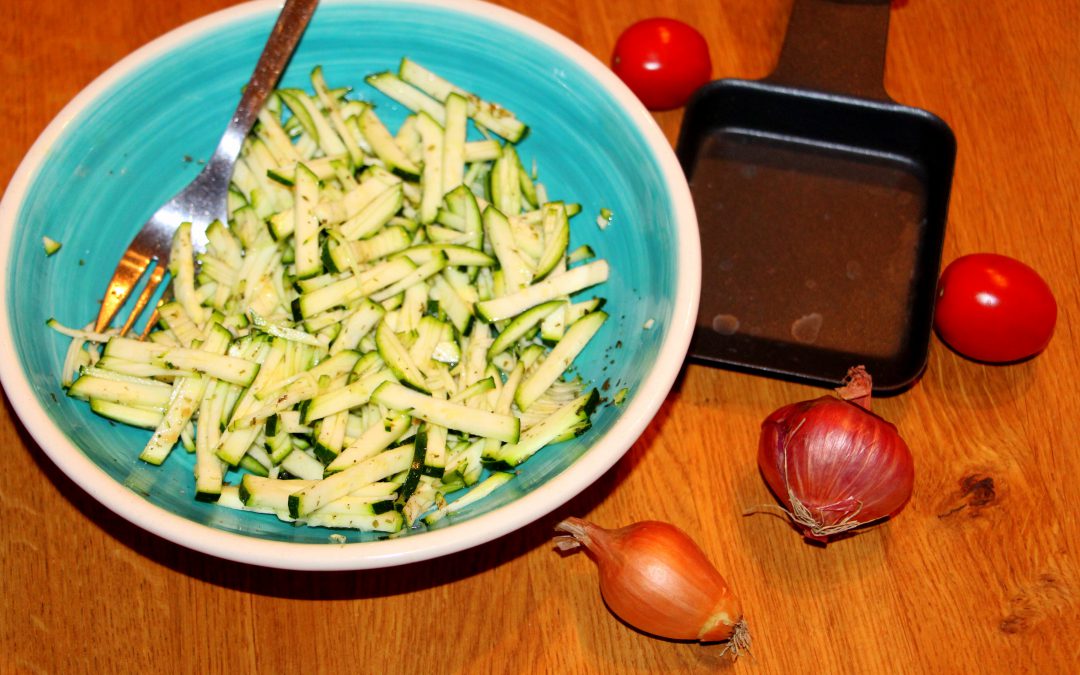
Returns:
point(657, 579)
point(834, 464)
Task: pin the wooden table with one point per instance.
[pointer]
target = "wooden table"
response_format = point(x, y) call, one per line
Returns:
point(979, 573)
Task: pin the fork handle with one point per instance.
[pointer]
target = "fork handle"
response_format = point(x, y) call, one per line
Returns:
point(290, 25)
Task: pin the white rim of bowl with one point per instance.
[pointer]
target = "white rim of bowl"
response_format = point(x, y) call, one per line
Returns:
point(558, 490)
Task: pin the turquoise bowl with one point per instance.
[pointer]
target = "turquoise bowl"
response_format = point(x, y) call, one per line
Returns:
point(136, 135)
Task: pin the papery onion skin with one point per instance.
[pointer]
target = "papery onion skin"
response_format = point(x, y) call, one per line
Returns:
point(656, 578)
point(837, 460)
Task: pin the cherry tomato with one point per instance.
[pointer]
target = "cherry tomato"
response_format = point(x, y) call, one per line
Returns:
point(663, 61)
point(994, 308)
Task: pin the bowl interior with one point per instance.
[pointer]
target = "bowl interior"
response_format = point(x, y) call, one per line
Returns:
point(145, 133)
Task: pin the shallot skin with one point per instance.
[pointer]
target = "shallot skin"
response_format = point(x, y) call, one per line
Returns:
point(657, 579)
point(834, 465)
point(627, 589)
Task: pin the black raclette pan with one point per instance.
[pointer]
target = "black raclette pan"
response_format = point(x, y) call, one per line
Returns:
point(821, 205)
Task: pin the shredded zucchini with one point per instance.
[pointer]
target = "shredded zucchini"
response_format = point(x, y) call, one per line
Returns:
point(383, 328)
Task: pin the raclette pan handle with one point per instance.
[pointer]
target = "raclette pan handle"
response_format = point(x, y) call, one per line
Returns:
point(836, 46)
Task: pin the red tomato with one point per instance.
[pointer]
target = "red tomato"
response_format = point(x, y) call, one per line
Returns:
point(663, 61)
point(994, 308)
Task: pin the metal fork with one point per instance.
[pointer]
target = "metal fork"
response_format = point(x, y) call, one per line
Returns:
point(204, 200)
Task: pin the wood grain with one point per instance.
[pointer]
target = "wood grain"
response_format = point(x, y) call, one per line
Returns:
point(978, 574)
